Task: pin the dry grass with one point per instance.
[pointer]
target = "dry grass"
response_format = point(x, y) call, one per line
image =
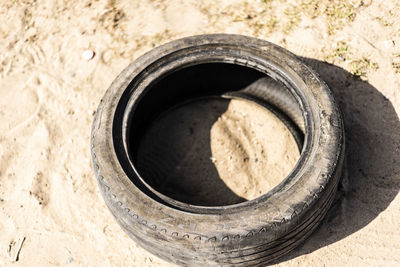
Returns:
point(336, 12)
point(340, 53)
point(360, 67)
point(396, 62)
point(384, 22)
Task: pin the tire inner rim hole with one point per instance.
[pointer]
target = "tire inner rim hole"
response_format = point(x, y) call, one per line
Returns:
point(215, 134)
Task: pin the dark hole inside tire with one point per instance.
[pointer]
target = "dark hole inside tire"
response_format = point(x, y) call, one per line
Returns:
point(192, 145)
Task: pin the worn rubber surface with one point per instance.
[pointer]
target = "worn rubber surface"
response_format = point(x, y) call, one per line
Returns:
point(250, 233)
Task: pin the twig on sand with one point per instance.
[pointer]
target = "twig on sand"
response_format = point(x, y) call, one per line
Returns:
point(14, 248)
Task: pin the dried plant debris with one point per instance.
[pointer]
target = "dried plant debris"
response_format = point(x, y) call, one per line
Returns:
point(111, 17)
point(14, 248)
point(360, 67)
point(337, 13)
point(396, 62)
point(340, 53)
point(384, 22)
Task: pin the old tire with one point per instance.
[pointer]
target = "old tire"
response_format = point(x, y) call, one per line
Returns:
point(251, 233)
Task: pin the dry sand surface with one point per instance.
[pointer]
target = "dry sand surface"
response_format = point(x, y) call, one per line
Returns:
point(232, 147)
point(57, 58)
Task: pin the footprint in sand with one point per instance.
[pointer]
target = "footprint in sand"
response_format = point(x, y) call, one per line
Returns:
point(18, 102)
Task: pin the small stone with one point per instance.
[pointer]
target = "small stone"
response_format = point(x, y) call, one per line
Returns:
point(87, 54)
point(341, 58)
point(69, 260)
point(213, 159)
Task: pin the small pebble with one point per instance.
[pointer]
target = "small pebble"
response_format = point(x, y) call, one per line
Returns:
point(88, 54)
point(213, 159)
point(69, 260)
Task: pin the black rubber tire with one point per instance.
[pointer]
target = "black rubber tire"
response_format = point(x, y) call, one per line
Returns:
point(251, 233)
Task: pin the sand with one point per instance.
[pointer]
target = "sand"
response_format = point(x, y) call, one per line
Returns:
point(51, 211)
point(234, 147)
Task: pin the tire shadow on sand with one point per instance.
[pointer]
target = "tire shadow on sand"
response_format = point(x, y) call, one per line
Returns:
point(372, 171)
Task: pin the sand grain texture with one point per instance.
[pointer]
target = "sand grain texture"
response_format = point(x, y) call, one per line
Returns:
point(49, 93)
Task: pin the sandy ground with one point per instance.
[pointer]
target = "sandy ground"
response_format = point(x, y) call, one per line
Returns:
point(232, 147)
point(51, 212)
